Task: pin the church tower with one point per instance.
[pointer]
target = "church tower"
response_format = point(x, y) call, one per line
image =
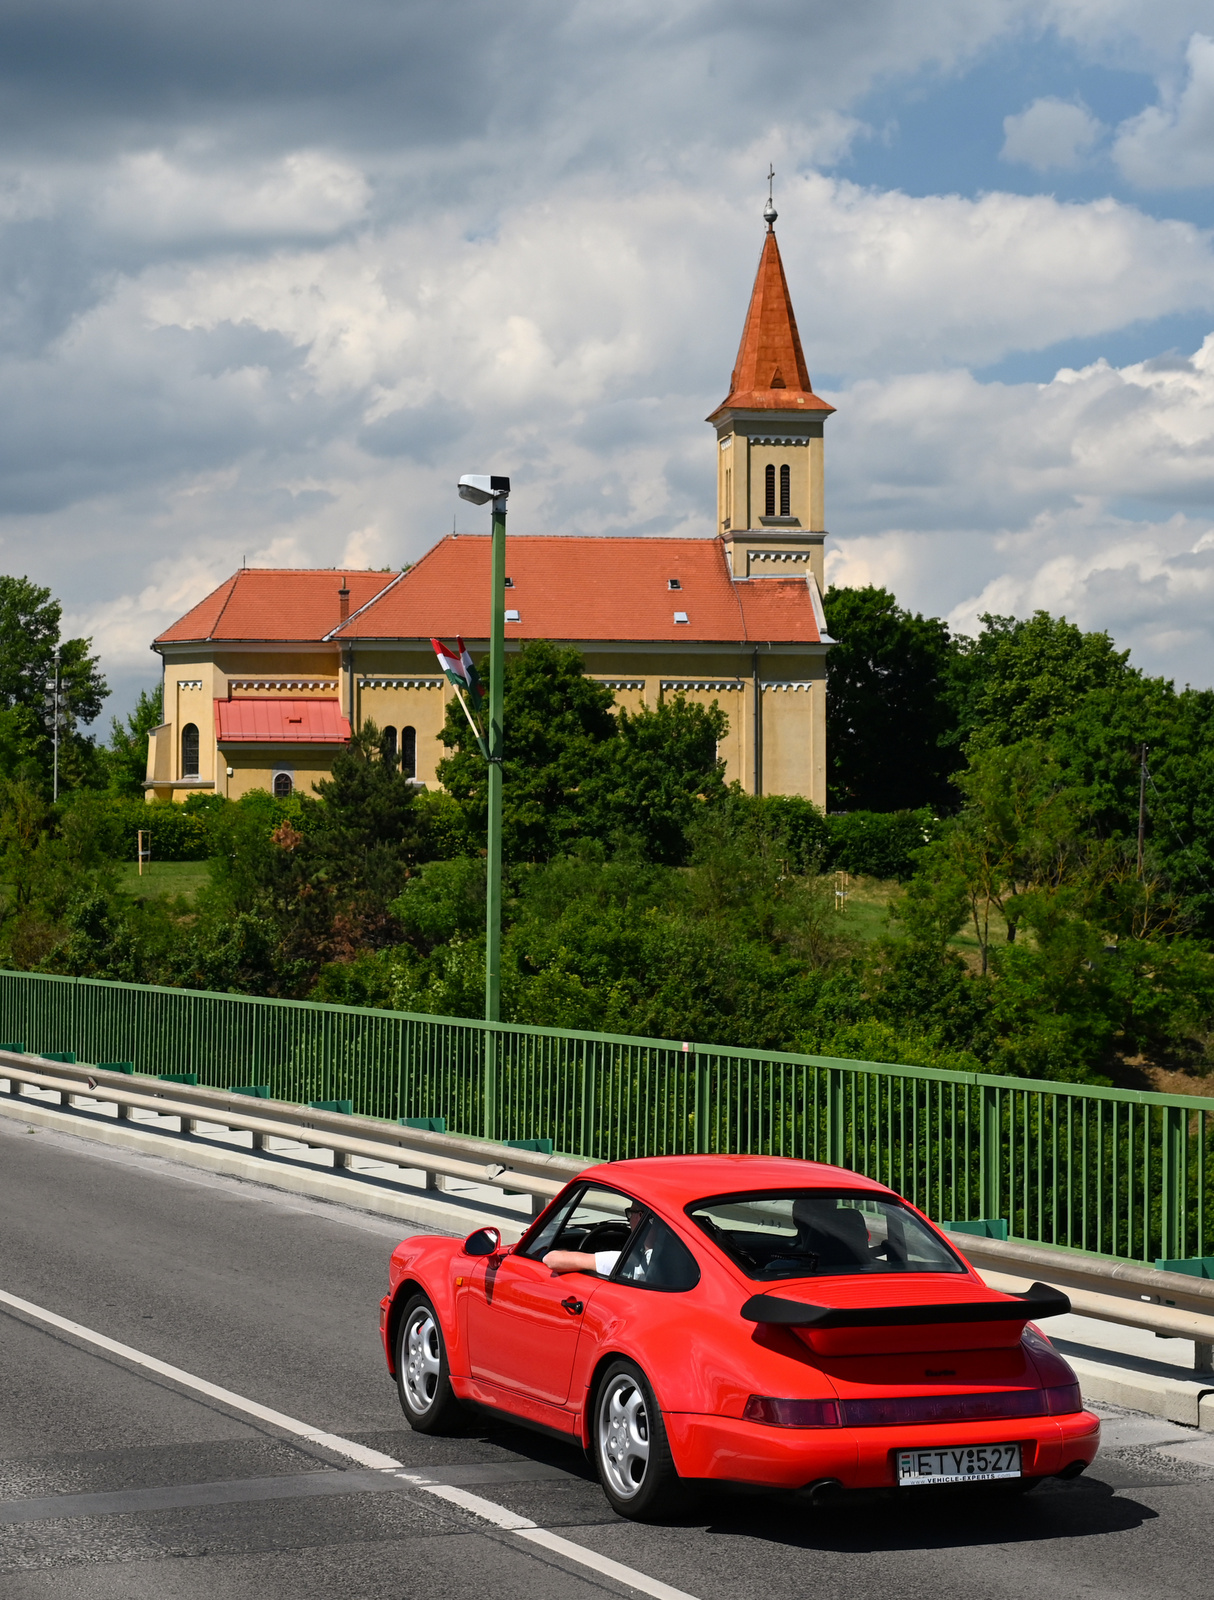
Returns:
point(770, 506)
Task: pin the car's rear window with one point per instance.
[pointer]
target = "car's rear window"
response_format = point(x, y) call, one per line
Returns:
point(808, 1233)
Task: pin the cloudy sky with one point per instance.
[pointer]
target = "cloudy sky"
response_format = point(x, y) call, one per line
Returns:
point(273, 275)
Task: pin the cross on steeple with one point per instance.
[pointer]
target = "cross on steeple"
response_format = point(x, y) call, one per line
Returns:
point(770, 213)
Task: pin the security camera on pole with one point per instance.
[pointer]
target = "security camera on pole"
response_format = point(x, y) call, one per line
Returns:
point(485, 490)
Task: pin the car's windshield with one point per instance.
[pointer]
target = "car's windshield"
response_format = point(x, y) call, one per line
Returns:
point(807, 1233)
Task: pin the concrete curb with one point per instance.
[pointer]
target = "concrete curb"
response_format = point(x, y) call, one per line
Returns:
point(1191, 1404)
point(449, 1217)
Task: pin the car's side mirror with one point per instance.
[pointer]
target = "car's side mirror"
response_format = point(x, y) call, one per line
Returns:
point(484, 1242)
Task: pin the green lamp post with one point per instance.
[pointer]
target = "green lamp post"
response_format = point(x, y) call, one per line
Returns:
point(482, 490)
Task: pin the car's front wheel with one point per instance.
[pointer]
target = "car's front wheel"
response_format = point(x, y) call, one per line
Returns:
point(631, 1452)
point(422, 1376)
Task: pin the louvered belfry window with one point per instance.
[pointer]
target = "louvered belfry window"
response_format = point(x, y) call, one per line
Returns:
point(785, 491)
point(769, 498)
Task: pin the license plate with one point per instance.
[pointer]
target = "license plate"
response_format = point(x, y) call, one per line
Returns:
point(969, 1463)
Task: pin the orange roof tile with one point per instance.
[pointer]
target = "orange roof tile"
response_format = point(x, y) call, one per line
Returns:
point(589, 589)
point(277, 721)
point(271, 603)
point(770, 373)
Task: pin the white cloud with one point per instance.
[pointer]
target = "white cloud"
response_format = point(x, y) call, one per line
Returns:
point(584, 298)
point(1087, 496)
point(269, 302)
point(1050, 133)
point(316, 404)
point(158, 197)
point(1171, 145)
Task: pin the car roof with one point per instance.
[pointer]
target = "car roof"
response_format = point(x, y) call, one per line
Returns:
point(677, 1180)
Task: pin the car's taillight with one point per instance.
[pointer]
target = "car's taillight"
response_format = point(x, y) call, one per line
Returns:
point(894, 1409)
point(1063, 1399)
point(792, 1413)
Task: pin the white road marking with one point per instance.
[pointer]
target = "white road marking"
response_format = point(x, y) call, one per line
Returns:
point(603, 1564)
point(301, 1430)
point(499, 1516)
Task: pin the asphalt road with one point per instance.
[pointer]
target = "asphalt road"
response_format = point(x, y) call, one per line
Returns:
point(118, 1484)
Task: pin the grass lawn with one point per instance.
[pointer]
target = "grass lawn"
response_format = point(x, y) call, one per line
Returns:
point(865, 914)
point(865, 910)
point(163, 878)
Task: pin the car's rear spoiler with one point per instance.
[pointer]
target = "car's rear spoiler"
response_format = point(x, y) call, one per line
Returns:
point(1039, 1301)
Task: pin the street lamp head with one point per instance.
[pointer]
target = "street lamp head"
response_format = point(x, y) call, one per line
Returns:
point(480, 489)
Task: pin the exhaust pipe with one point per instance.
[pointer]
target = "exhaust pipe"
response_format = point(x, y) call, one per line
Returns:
point(822, 1491)
point(1072, 1469)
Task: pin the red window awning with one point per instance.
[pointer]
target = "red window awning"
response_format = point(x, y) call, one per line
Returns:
point(280, 721)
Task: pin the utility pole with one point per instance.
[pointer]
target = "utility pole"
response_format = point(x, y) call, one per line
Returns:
point(1142, 803)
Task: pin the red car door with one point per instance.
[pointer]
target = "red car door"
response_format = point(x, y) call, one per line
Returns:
point(523, 1326)
point(522, 1320)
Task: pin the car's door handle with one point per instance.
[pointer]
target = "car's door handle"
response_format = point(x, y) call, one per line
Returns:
point(573, 1307)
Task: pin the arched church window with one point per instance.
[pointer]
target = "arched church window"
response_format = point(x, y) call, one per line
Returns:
point(388, 744)
point(189, 751)
point(282, 785)
point(785, 491)
point(408, 752)
point(769, 498)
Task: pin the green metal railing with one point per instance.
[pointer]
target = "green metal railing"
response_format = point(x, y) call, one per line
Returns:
point(1112, 1171)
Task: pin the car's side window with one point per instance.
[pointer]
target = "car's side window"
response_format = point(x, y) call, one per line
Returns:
point(657, 1258)
point(592, 1219)
point(542, 1242)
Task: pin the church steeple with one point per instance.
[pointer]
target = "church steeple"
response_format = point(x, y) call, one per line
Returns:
point(769, 429)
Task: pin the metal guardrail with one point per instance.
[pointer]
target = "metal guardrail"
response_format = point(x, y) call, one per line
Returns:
point(1110, 1171)
point(1171, 1304)
point(1167, 1303)
point(436, 1155)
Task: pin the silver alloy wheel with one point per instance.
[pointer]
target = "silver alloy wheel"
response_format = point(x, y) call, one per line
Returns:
point(421, 1350)
point(623, 1435)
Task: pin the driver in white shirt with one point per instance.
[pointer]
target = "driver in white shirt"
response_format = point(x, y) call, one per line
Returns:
point(601, 1262)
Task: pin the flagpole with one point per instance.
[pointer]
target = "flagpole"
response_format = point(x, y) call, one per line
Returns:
point(476, 732)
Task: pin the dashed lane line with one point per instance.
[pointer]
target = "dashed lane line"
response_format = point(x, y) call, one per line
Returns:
point(499, 1516)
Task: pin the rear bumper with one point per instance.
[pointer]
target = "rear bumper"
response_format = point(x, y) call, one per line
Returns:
point(862, 1458)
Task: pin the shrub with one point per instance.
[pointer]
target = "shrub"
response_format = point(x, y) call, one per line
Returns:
point(880, 844)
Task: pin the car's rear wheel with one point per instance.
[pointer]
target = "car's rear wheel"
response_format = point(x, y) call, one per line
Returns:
point(423, 1380)
point(630, 1448)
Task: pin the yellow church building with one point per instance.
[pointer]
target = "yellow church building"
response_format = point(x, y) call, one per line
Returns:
point(265, 678)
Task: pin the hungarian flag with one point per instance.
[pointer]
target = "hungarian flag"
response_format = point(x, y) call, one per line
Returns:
point(452, 665)
point(461, 675)
point(471, 676)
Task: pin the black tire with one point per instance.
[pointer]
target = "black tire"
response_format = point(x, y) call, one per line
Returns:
point(423, 1379)
point(630, 1450)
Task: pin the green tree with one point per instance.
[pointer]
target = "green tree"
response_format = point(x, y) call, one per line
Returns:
point(126, 758)
point(890, 714)
point(1020, 679)
point(559, 728)
point(316, 878)
point(1099, 745)
point(29, 633)
point(662, 770)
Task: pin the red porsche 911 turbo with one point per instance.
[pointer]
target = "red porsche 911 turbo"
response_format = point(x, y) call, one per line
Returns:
point(739, 1318)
